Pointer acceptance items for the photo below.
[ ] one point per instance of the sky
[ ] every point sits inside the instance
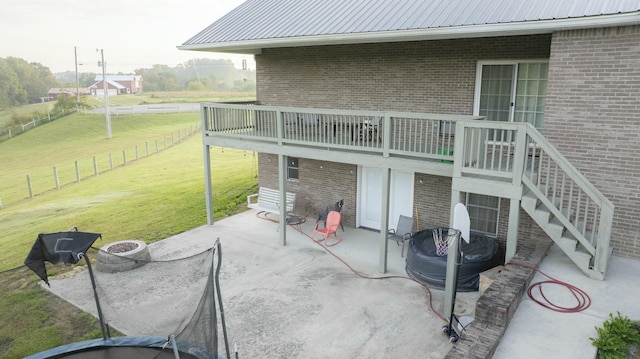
(132, 34)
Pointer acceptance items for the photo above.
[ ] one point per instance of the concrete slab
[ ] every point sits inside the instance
(537, 332)
(299, 301)
(294, 301)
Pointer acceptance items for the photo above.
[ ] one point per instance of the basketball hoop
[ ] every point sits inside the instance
(443, 237)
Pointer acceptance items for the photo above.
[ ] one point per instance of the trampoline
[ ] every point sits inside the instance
(196, 337)
(120, 347)
(425, 266)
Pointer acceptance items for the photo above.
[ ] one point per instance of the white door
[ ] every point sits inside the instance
(370, 197)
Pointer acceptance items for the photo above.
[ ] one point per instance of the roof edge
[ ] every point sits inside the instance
(441, 33)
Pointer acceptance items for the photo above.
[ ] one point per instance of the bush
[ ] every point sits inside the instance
(614, 336)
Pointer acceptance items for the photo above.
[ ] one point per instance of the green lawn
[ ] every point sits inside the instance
(80, 138)
(149, 199)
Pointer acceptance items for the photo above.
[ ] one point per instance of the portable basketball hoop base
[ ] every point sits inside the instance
(451, 287)
(461, 223)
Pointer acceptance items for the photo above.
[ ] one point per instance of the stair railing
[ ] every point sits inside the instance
(581, 208)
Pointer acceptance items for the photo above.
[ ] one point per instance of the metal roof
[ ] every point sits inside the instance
(258, 24)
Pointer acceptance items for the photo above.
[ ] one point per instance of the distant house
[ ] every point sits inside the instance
(53, 93)
(117, 85)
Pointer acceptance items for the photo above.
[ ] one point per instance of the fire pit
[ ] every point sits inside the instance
(426, 266)
(122, 256)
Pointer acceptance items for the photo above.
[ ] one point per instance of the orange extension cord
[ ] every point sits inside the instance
(262, 215)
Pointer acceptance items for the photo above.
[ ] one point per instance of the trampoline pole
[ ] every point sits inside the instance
(219, 295)
(172, 338)
(103, 325)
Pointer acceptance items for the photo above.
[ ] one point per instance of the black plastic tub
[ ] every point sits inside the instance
(425, 266)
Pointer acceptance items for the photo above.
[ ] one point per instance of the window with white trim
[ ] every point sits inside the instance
(512, 91)
(292, 169)
(483, 213)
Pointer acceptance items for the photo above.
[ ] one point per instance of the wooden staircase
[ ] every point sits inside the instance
(524, 166)
(558, 225)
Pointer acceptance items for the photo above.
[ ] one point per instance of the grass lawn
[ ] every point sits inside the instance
(149, 199)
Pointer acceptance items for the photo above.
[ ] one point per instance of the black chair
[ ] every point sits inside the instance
(322, 215)
(403, 232)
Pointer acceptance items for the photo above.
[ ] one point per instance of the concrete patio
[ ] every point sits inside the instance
(300, 301)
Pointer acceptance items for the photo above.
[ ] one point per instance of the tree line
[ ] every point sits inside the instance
(23, 82)
(193, 75)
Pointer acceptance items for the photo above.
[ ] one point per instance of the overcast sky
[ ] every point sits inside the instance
(133, 33)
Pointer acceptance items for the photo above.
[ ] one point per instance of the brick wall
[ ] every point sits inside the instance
(422, 76)
(316, 188)
(593, 118)
(425, 76)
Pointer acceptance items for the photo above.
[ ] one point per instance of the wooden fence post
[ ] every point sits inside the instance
(110, 162)
(124, 157)
(95, 166)
(146, 144)
(29, 186)
(55, 177)
(165, 142)
(137, 155)
(171, 139)
(156, 146)
(77, 172)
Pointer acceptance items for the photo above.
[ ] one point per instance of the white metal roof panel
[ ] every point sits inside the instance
(257, 20)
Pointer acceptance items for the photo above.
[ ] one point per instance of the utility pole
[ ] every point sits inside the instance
(106, 94)
(75, 53)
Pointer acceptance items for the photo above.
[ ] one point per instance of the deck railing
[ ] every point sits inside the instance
(583, 210)
(513, 154)
(430, 136)
(518, 153)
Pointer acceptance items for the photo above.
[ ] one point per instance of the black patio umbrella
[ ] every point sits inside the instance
(67, 247)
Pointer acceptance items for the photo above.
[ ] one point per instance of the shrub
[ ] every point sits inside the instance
(614, 336)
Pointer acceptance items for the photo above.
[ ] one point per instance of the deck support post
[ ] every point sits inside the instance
(384, 220)
(512, 229)
(282, 175)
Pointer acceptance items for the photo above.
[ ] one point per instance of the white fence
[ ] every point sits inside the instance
(62, 178)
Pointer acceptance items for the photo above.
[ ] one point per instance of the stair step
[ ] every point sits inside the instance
(529, 200)
(555, 229)
(582, 259)
(567, 244)
(560, 234)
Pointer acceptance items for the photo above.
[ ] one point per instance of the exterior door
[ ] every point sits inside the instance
(512, 91)
(370, 197)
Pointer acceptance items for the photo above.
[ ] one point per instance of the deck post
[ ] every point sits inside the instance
(207, 183)
(512, 229)
(206, 155)
(282, 175)
(384, 220)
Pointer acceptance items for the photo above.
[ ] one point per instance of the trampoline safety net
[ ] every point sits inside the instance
(158, 297)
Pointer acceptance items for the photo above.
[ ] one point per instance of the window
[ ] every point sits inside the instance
(292, 168)
(512, 91)
(483, 213)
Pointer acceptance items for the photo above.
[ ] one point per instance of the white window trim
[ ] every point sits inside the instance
(514, 85)
(298, 168)
(478, 84)
(494, 235)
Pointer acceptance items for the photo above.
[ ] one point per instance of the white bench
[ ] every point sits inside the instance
(268, 200)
